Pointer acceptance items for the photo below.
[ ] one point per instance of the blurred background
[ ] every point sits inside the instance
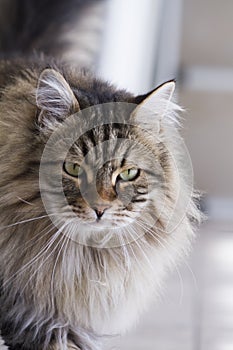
(140, 44)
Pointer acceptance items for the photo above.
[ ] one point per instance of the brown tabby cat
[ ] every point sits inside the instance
(95, 201)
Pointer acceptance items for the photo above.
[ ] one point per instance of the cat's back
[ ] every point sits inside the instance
(11, 70)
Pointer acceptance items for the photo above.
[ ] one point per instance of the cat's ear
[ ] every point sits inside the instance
(155, 106)
(54, 96)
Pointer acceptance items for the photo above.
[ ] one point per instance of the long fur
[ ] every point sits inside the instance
(56, 293)
(67, 29)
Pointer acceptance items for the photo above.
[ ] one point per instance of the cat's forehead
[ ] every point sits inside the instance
(110, 147)
(106, 138)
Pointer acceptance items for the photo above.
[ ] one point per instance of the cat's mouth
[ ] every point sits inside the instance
(105, 216)
(98, 220)
(103, 223)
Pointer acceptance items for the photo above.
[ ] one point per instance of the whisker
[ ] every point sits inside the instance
(141, 248)
(124, 249)
(34, 238)
(27, 220)
(171, 259)
(24, 201)
(43, 262)
(32, 261)
(64, 243)
(177, 252)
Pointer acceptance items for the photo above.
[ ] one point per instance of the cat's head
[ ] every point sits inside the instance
(112, 169)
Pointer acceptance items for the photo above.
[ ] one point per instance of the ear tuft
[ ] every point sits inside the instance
(54, 96)
(156, 106)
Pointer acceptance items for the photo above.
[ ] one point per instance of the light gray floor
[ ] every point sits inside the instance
(196, 310)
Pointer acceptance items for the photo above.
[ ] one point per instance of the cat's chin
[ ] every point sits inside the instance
(99, 233)
(100, 224)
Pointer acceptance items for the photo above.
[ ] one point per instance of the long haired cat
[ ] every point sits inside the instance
(96, 198)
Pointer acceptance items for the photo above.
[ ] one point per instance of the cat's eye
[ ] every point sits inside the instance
(129, 174)
(73, 169)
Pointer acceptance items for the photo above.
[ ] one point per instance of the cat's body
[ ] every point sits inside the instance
(61, 293)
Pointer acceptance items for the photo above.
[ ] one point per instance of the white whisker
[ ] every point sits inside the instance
(151, 233)
(140, 247)
(172, 247)
(24, 201)
(127, 261)
(27, 220)
(64, 244)
(34, 239)
(49, 255)
(32, 261)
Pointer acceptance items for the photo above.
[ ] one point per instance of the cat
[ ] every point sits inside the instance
(96, 197)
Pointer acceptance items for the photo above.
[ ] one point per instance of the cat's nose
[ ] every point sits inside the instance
(100, 211)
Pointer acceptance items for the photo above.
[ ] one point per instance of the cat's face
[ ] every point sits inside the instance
(112, 165)
(114, 169)
(109, 186)
(109, 176)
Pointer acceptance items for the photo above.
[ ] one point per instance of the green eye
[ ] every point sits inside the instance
(73, 169)
(129, 174)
